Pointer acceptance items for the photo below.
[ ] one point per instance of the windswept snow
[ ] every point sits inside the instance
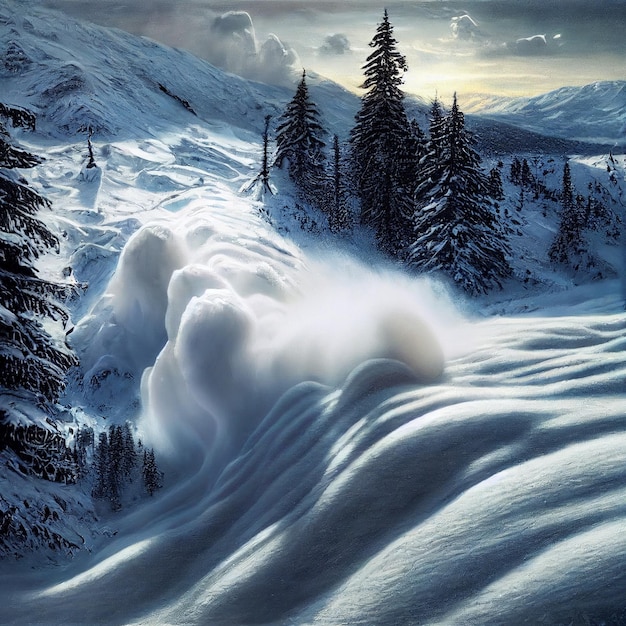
(343, 443)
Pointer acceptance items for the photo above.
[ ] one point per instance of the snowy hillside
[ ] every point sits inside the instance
(343, 443)
(595, 112)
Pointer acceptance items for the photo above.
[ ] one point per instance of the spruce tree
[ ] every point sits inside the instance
(384, 173)
(568, 247)
(101, 467)
(456, 227)
(300, 146)
(129, 452)
(339, 214)
(496, 190)
(152, 478)
(31, 360)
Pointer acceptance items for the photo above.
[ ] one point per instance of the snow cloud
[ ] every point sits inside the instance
(233, 46)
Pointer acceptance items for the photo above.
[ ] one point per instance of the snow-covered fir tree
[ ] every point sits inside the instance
(384, 172)
(457, 231)
(32, 361)
(300, 145)
(568, 247)
(339, 218)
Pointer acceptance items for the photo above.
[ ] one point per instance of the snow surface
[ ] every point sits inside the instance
(343, 443)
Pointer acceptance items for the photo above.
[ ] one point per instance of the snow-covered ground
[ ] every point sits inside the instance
(343, 443)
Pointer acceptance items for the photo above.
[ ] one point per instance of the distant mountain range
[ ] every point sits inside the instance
(592, 113)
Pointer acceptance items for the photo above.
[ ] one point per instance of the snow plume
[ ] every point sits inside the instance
(247, 319)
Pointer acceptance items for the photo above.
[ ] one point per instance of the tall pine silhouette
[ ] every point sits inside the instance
(568, 247)
(300, 145)
(383, 171)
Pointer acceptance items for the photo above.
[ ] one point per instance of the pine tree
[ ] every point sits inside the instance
(496, 190)
(456, 227)
(152, 478)
(568, 247)
(101, 467)
(384, 170)
(527, 179)
(129, 452)
(115, 476)
(515, 175)
(339, 215)
(31, 361)
(299, 144)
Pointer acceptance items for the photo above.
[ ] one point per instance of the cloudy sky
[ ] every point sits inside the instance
(512, 47)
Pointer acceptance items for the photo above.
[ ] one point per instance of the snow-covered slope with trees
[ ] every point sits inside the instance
(343, 442)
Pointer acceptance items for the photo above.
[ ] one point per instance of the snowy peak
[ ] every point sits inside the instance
(594, 112)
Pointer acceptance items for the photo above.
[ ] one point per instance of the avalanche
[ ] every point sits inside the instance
(343, 443)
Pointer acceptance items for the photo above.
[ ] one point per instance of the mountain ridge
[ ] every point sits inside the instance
(595, 112)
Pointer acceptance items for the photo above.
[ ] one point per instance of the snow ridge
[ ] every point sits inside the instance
(594, 112)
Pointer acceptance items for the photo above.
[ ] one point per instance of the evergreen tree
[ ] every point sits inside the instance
(31, 361)
(527, 179)
(384, 169)
(436, 144)
(339, 215)
(129, 452)
(299, 144)
(568, 247)
(114, 470)
(515, 175)
(496, 190)
(152, 478)
(457, 229)
(101, 467)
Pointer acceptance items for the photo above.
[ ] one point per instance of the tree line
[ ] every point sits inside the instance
(425, 195)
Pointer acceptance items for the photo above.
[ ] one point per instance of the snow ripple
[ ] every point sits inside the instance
(478, 499)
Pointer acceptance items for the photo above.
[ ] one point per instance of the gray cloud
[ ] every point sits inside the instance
(529, 46)
(335, 44)
(465, 28)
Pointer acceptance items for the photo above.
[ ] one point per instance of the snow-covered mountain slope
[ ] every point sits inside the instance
(593, 113)
(76, 76)
(321, 468)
